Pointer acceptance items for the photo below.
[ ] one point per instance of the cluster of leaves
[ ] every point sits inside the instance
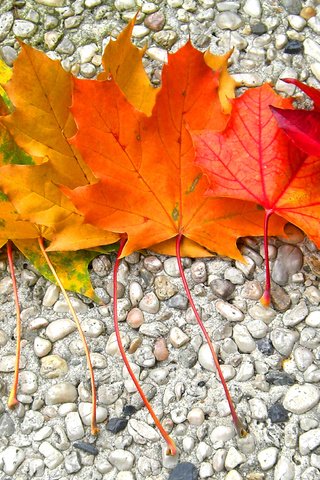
(183, 169)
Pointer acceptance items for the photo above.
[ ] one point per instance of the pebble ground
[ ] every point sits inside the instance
(270, 358)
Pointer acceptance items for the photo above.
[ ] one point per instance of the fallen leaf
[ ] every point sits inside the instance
(123, 61)
(302, 126)
(149, 186)
(227, 84)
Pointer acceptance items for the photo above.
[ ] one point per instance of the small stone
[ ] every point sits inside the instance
(53, 366)
(74, 426)
(177, 337)
(222, 434)
(279, 297)
(205, 357)
(301, 398)
(51, 295)
(259, 312)
(265, 346)
(228, 311)
(7, 363)
(284, 469)
(277, 413)
(122, 5)
(196, 416)
(72, 463)
(228, 21)
(153, 264)
(53, 458)
(61, 393)
(198, 272)
(7, 427)
(166, 39)
(149, 303)
(88, 70)
(312, 293)
(8, 54)
(297, 22)
(253, 8)
(116, 425)
(72, 22)
(86, 447)
(303, 358)
(252, 290)
(308, 12)
(155, 21)
(258, 409)
(267, 458)
(309, 337)
(154, 329)
(171, 267)
(259, 28)
(101, 265)
(6, 22)
(135, 318)
(142, 432)
(294, 316)
(52, 3)
(23, 28)
(233, 475)
(164, 288)
(293, 47)
(12, 457)
(234, 276)
(313, 319)
(85, 410)
(279, 378)
(121, 459)
(66, 47)
(289, 260)
(60, 328)
(219, 459)
(184, 471)
(243, 339)
(257, 328)
(292, 6)
(312, 49)
(178, 301)
(28, 382)
(222, 288)
(233, 459)
(160, 350)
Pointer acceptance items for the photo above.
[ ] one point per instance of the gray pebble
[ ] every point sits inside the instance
(303, 358)
(165, 38)
(279, 297)
(7, 363)
(164, 288)
(24, 29)
(198, 272)
(149, 303)
(171, 267)
(142, 432)
(309, 337)
(259, 312)
(61, 306)
(292, 6)
(154, 329)
(228, 21)
(309, 441)
(66, 47)
(284, 469)
(51, 296)
(222, 288)
(257, 328)
(7, 426)
(283, 340)
(295, 315)
(72, 462)
(178, 301)
(6, 22)
(234, 276)
(289, 260)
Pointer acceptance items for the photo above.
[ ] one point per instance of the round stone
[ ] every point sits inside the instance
(149, 303)
(23, 28)
(160, 350)
(205, 357)
(60, 328)
(196, 416)
(228, 21)
(51, 296)
(53, 366)
(61, 393)
(253, 8)
(135, 318)
(85, 411)
(301, 398)
(155, 21)
(171, 267)
(28, 383)
(267, 458)
(135, 293)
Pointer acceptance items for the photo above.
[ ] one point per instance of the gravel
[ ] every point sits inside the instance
(270, 357)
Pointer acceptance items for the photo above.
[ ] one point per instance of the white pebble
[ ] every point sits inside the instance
(51, 296)
(85, 410)
(267, 458)
(253, 8)
(61, 393)
(233, 458)
(206, 470)
(135, 293)
(74, 426)
(228, 311)
(11, 457)
(258, 409)
(233, 475)
(150, 303)
(219, 459)
(53, 458)
(223, 433)
(60, 328)
(196, 416)
(309, 441)
(284, 470)
(112, 344)
(301, 398)
(205, 357)
(41, 346)
(243, 339)
(177, 337)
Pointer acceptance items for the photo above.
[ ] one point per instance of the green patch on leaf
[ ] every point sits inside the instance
(175, 213)
(10, 153)
(3, 197)
(71, 267)
(194, 184)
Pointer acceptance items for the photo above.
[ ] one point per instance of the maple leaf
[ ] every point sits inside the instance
(123, 61)
(302, 126)
(226, 83)
(149, 186)
(253, 159)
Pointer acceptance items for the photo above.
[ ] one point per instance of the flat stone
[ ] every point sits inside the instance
(301, 398)
(149, 303)
(258, 409)
(72, 462)
(12, 457)
(253, 8)
(233, 458)
(205, 357)
(265, 346)
(52, 3)
(116, 425)
(87, 447)
(7, 427)
(257, 328)
(166, 39)
(142, 432)
(243, 339)
(295, 315)
(24, 29)
(66, 47)
(122, 5)
(59, 329)
(92, 327)
(112, 347)
(61, 393)
(222, 288)
(171, 267)
(284, 469)
(234, 276)
(154, 329)
(6, 22)
(228, 311)
(312, 49)
(228, 21)
(303, 358)
(184, 471)
(279, 297)
(7, 363)
(259, 312)
(8, 54)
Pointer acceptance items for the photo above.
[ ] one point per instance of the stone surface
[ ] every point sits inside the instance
(184, 471)
(301, 398)
(61, 393)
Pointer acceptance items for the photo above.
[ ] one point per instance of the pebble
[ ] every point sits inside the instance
(43, 433)
(59, 329)
(196, 416)
(259, 312)
(85, 410)
(275, 377)
(233, 458)
(228, 311)
(74, 426)
(184, 471)
(6, 22)
(52, 457)
(253, 8)
(303, 358)
(61, 393)
(92, 327)
(112, 347)
(142, 432)
(289, 261)
(155, 21)
(7, 426)
(265, 346)
(7, 363)
(178, 338)
(301, 398)
(86, 447)
(284, 469)
(294, 47)
(178, 301)
(252, 290)
(198, 272)
(160, 351)
(283, 340)
(12, 457)
(53, 366)
(233, 475)
(149, 303)
(121, 459)
(222, 288)
(234, 275)
(313, 319)
(72, 463)
(267, 458)
(154, 329)
(205, 357)
(246, 371)
(51, 296)
(257, 328)
(116, 425)
(243, 339)
(23, 28)
(228, 21)
(221, 434)
(258, 409)
(312, 49)
(295, 315)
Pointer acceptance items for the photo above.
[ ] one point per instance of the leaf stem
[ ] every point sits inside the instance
(266, 297)
(12, 400)
(237, 422)
(172, 449)
(94, 428)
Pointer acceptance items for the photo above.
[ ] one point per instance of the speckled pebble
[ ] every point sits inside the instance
(243, 339)
(228, 311)
(60, 328)
(301, 398)
(149, 303)
(178, 338)
(228, 20)
(283, 340)
(267, 458)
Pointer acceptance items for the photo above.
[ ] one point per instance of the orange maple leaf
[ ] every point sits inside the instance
(149, 186)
